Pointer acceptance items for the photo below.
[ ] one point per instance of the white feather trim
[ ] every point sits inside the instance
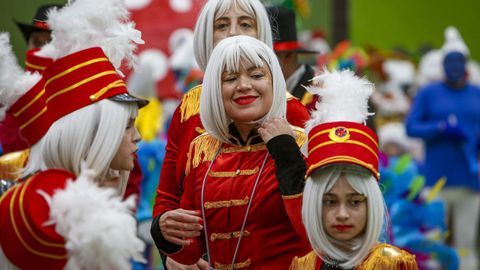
(343, 97)
(14, 82)
(82, 24)
(99, 228)
(454, 42)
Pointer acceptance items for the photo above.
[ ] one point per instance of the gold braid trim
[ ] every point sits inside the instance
(300, 136)
(227, 236)
(233, 174)
(11, 164)
(199, 130)
(247, 148)
(307, 98)
(294, 196)
(307, 262)
(224, 204)
(202, 148)
(190, 104)
(239, 265)
(388, 257)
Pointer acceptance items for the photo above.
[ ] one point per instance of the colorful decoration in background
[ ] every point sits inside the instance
(424, 231)
(159, 21)
(150, 158)
(345, 56)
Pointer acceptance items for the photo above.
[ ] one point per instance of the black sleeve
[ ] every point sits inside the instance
(289, 164)
(162, 244)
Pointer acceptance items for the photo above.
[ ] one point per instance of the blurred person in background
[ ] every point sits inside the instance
(446, 116)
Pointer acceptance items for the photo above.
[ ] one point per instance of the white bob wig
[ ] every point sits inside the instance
(213, 9)
(91, 136)
(327, 248)
(228, 56)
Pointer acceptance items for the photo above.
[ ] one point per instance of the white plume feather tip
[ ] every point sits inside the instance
(454, 42)
(343, 97)
(14, 82)
(82, 24)
(99, 228)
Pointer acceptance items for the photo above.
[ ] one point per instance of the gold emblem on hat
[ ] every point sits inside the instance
(339, 134)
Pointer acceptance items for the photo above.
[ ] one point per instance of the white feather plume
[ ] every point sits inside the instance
(99, 228)
(343, 97)
(14, 82)
(454, 42)
(82, 24)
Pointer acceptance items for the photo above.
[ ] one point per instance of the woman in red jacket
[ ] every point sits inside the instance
(218, 19)
(245, 174)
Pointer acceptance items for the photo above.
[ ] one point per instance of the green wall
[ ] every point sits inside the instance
(409, 23)
(22, 11)
(383, 24)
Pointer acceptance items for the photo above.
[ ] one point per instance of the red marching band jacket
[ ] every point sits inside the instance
(273, 234)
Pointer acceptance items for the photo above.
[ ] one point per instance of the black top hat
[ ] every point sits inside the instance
(284, 30)
(38, 22)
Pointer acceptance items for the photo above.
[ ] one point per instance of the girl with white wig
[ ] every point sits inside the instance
(245, 174)
(343, 208)
(218, 20)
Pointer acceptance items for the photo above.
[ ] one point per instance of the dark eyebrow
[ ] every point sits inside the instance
(253, 68)
(348, 195)
(240, 18)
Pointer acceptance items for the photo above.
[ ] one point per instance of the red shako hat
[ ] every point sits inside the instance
(336, 133)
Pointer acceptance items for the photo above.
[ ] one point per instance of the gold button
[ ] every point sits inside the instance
(249, 148)
(93, 98)
(237, 172)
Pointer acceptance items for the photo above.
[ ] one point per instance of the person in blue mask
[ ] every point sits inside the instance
(446, 116)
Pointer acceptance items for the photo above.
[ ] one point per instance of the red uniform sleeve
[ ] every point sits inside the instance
(192, 253)
(168, 193)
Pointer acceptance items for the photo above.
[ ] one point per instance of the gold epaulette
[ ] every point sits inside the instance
(190, 104)
(300, 136)
(202, 149)
(307, 98)
(388, 257)
(307, 262)
(11, 164)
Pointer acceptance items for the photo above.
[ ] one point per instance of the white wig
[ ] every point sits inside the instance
(325, 246)
(228, 56)
(203, 34)
(90, 135)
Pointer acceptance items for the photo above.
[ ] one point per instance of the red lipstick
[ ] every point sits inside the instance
(343, 227)
(244, 100)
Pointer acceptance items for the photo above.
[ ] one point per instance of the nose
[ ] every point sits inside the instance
(136, 136)
(342, 212)
(244, 84)
(233, 30)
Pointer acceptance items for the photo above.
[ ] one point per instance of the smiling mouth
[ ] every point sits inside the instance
(245, 100)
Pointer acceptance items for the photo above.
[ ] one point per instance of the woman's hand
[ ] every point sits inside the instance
(173, 265)
(178, 225)
(273, 128)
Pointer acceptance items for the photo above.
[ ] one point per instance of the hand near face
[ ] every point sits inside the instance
(273, 128)
(178, 225)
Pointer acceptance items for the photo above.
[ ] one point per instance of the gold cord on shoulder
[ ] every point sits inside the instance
(190, 104)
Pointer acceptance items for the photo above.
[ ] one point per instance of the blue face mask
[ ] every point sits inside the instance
(454, 65)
